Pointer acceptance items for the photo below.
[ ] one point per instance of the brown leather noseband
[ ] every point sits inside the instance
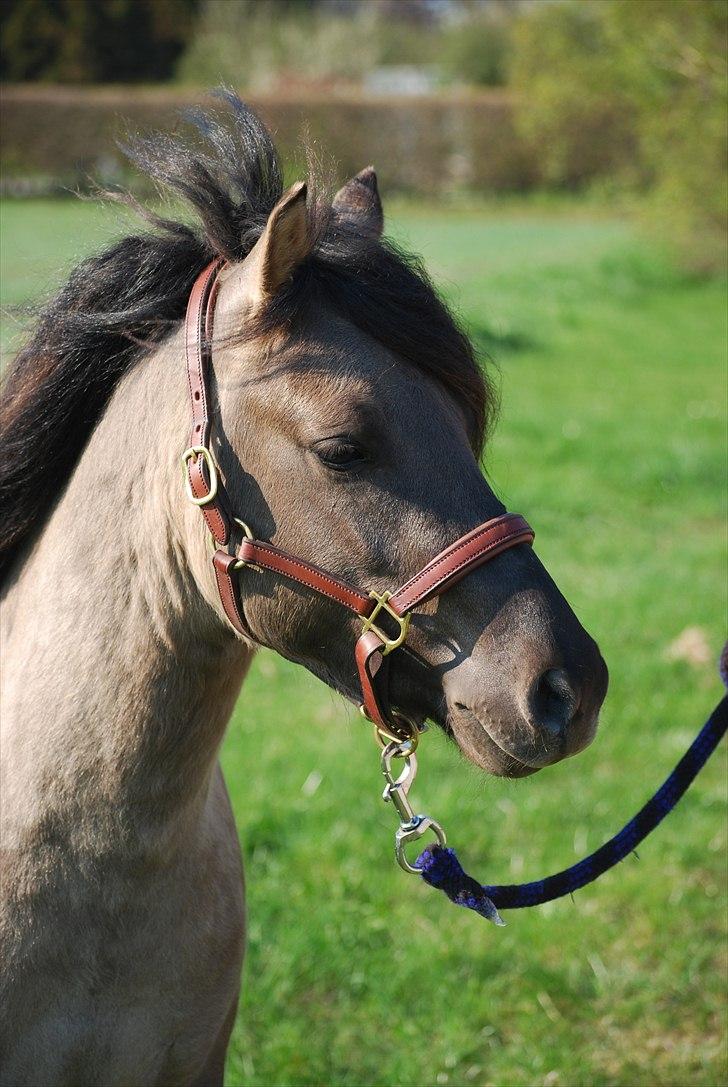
(206, 489)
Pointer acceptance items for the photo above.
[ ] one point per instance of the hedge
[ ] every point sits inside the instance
(435, 146)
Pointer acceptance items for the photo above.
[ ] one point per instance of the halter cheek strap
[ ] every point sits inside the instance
(207, 491)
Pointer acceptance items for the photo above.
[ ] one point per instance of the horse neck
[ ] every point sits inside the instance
(124, 675)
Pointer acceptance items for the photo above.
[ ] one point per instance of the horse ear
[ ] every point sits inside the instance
(283, 245)
(358, 203)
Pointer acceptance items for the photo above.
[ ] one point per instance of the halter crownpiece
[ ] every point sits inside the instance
(206, 489)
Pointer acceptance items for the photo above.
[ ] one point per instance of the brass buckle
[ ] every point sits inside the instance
(369, 624)
(193, 453)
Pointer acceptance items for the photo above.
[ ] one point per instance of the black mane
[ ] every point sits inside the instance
(118, 304)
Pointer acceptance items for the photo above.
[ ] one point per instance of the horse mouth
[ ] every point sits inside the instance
(478, 744)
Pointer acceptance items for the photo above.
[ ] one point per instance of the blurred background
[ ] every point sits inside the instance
(561, 167)
(450, 97)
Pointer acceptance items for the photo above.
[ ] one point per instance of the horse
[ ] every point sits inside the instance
(348, 415)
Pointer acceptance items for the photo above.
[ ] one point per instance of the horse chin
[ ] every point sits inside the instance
(480, 748)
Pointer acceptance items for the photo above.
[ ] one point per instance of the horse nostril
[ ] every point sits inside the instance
(552, 702)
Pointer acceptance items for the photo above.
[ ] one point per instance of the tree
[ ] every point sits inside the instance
(91, 41)
(638, 91)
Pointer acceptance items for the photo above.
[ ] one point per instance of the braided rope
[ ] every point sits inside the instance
(441, 868)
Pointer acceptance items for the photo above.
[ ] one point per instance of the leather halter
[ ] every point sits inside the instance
(206, 489)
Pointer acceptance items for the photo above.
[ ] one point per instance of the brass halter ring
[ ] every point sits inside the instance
(407, 740)
(248, 532)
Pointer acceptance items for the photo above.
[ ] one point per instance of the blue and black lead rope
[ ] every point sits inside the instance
(441, 868)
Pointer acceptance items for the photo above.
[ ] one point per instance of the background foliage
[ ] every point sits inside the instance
(93, 41)
(628, 98)
(446, 147)
(634, 93)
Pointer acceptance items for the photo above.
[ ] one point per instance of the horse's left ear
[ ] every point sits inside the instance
(358, 203)
(284, 244)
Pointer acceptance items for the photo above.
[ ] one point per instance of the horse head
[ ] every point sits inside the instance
(349, 415)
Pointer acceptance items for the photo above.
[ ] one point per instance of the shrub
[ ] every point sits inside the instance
(635, 91)
(571, 109)
(475, 50)
(261, 44)
(674, 61)
(84, 41)
(431, 146)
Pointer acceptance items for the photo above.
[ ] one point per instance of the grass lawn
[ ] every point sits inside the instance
(612, 442)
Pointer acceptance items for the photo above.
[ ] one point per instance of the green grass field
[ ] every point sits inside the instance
(612, 442)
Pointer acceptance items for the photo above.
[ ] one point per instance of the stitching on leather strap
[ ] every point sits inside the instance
(368, 651)
(216, 521)
(497, 546)
(453, 549)
(195, 359)
(221, 563)
(510, 536)
(198, 325)
(256, 547)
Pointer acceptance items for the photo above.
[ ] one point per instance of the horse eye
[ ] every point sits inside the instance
(341, 454)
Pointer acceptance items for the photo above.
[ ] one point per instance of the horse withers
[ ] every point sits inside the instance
(348, 417)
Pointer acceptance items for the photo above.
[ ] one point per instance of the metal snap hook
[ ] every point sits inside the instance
(412, 827)
(407, 834)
